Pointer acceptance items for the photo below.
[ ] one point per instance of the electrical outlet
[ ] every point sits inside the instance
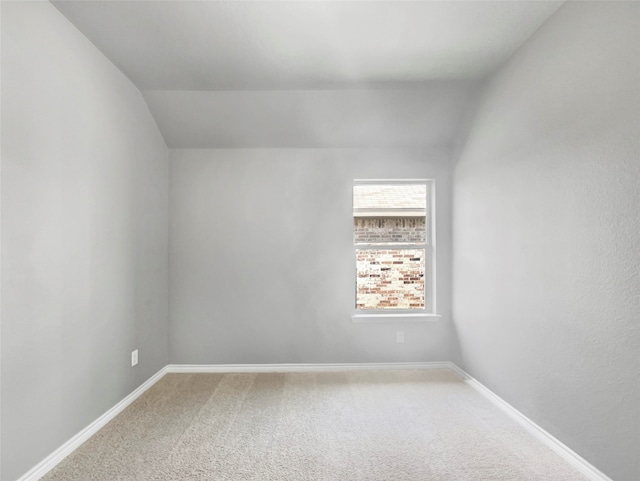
(400, 337)
(134, 358)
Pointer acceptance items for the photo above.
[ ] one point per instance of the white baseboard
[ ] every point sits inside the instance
(574, 459)
(222, 368)
(571, 457)
(51, 461)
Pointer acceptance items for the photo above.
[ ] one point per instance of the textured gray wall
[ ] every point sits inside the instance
(262, 263)
(546, 203)
(84, 243)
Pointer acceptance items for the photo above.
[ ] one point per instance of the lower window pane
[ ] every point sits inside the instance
(390, 278)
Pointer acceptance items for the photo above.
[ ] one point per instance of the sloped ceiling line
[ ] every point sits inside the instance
(307, 74)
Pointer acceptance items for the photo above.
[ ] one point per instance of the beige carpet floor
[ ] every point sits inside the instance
(333, 426)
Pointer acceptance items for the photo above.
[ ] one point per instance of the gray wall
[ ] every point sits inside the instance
(84, 235)
(546, 203)
(262, 264)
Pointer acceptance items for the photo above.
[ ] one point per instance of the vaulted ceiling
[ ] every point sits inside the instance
(307, 73)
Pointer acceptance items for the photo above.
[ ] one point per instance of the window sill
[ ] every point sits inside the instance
(395, 317)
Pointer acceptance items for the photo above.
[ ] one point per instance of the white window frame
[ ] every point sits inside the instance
(429, 312)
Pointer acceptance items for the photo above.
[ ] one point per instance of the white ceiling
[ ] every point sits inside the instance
(303, 73)
(311, 118)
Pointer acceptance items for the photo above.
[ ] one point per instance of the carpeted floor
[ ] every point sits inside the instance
(333, 426)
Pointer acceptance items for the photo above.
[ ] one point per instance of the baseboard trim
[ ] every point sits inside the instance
(574, 459)
(51, 461)
(570, 456)
(228, 368)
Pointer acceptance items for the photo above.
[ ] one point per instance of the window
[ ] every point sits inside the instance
(394, 248)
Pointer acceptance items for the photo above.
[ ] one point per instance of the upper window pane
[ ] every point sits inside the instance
(389, 214)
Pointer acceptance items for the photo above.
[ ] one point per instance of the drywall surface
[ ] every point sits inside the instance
(262, 262)
(412, 115)
(84, 235)
(280, 46)
(546, 233)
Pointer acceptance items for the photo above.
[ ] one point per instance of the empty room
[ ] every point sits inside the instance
(320, 240)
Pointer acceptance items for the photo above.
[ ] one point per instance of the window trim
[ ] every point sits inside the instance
(429, 312)
(392, 317)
